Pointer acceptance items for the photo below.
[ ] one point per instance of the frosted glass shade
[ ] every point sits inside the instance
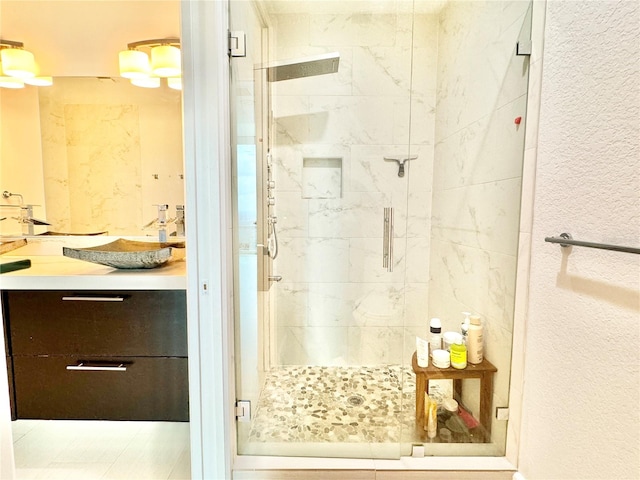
(134, 64)
(149, 82)
(175, 83)
(165, 61)
(18, 63)
(11, 82)
(39, 81)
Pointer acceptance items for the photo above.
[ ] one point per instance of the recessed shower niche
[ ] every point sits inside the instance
(437, 82)
(321, 177)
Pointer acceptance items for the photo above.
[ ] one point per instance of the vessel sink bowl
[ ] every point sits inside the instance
(128, 254)
(69, 234)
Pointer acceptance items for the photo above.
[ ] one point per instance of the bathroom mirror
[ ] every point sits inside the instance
(111, 152)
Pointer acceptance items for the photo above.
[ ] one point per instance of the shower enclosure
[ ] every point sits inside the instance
(377, 173)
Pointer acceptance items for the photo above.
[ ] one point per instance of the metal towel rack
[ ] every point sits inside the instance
(566, 240)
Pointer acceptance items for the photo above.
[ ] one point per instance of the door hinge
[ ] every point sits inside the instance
(243, 410)
(237, 44)
(523, 47)
(502, 413)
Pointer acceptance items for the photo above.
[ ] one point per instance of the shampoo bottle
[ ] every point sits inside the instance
(475, 351)
(435, 335)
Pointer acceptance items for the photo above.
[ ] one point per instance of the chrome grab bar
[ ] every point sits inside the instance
(387, 240)
(82, 367)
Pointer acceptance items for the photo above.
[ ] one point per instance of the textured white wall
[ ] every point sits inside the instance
(581, 388)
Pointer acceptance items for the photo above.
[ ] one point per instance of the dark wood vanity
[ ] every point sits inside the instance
(97, 355)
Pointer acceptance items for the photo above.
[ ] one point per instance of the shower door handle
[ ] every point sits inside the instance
(387, 240)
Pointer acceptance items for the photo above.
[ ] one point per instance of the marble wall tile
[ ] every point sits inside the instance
(356, 30)
(291, 304)
(313, 259)
(365, 261)
(483, 216)
(103, 141)
(357, 214)
(322, 177)
(377, 304)
(469, 279)
(419, 215)
(375, 345)
(351, 120)
(366, 108)
(292, 118)
(417, 258)
(382, 70)
(327, 346)
(293, 213)
(416, 311)
(371, 173)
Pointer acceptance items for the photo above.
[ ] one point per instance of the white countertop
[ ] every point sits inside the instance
(50, 270)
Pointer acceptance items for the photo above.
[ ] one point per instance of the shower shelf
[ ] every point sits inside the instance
(483, 371)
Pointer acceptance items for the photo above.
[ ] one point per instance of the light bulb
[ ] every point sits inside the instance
(134, 64)
(39, 81)
(11, 82)
(18, 63)
(149, 82)
(175, 83)
(165, 61)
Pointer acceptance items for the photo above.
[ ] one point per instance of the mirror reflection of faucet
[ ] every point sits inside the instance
(161, 222)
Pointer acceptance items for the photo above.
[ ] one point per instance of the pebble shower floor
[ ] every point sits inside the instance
(336, 404)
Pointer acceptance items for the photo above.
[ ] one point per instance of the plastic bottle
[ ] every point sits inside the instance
(464, 327)
(475, 351)
(459, 355)
(435, 335)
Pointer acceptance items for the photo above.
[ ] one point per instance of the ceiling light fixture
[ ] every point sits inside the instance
(165, 62)
(18, 66)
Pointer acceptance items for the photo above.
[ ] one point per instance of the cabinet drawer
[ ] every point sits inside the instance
(154, 389)
(109, 323)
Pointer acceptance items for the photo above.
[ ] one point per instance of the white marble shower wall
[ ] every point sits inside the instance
(482, 90)
(336, 305)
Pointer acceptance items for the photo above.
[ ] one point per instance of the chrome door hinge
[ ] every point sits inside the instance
(237, 44)
(243, 410)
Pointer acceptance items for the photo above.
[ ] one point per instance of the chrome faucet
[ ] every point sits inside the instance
(27, 221)
(180, 230)
(160, 222)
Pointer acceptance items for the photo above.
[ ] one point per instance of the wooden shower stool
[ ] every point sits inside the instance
(484, 371)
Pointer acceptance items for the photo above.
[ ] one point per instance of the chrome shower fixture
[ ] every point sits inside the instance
(303, 67)
(401, 160)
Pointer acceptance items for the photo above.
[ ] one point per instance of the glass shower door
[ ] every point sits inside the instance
(370, 199)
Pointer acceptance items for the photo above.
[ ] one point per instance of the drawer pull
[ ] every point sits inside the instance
(93, 299)
(121, 367)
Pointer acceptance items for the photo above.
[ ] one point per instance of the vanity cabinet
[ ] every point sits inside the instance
(105, 355)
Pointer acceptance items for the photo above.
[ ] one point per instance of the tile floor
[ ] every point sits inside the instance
(87, 450)
(336, 404)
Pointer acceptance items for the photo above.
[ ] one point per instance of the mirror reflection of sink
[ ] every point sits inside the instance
(129, 254)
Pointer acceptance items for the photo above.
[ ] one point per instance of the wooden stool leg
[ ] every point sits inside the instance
(486, 401)
(420, 389)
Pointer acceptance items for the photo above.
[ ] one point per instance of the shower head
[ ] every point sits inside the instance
(303, 67)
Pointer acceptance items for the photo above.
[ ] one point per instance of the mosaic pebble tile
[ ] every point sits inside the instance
(336, 404)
